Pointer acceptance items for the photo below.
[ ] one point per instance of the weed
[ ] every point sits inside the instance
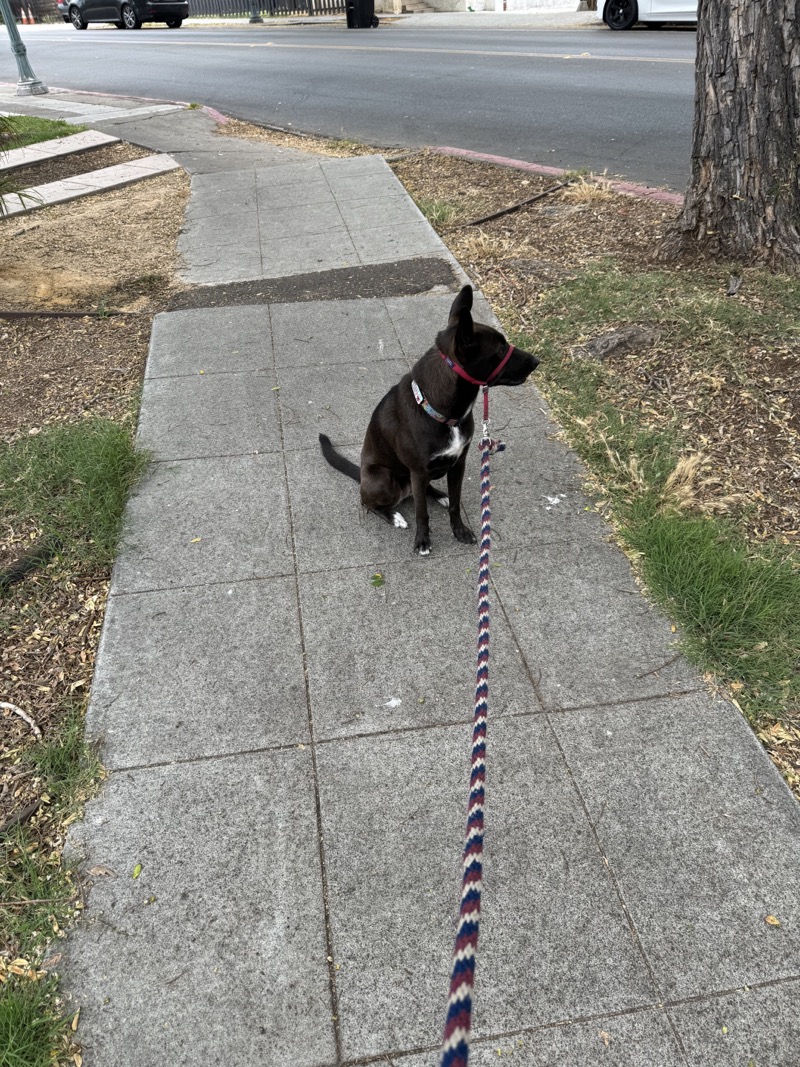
(439, 213)
(588, 189)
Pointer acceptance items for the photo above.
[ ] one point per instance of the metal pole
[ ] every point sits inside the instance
(255, 12)
(28, 84)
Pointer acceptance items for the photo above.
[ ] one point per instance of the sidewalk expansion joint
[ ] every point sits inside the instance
(649, 698)
(213, 757)
(329, 946)
(504, 1035)
(717, 994)
(222, 373)
(190, 586)
(634, 933)
(156, 461)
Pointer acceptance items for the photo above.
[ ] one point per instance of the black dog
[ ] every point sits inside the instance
(422, 428)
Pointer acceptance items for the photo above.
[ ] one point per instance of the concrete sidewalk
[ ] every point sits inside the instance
(288, 740)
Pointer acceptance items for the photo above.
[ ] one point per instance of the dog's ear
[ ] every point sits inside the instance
(463, 302)
(460, 322)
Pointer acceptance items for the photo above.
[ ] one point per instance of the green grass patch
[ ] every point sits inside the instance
(72, 483)
(736, 603)
(686, 308)
(30, 1027)
(739, 607)
(18, 131)
(40, 896)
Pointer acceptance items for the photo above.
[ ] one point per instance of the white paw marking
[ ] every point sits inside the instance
(424, 551)
(444, 501)
(399, 521)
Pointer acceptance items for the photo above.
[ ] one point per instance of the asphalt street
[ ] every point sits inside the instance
(576, 98)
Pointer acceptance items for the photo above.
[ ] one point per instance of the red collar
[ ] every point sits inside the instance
(468, 377)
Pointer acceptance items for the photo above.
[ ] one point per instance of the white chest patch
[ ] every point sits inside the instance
(455, 446)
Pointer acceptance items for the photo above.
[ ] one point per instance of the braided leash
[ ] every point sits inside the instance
(455, 1044)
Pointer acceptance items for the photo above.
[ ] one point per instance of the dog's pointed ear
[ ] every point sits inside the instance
(463, 302)
(460, 322)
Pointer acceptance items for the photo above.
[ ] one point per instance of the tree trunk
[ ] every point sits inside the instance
(743, 200)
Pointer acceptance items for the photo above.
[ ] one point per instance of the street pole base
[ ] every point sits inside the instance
(256, 18)
(31, 88)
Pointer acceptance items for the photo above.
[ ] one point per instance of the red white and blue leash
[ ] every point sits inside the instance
(455, 1044)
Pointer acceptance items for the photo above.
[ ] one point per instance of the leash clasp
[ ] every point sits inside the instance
(486, 440)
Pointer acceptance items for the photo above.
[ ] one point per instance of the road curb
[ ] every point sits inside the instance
(644, 192)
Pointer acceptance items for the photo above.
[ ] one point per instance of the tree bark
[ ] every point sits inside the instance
(743, 199)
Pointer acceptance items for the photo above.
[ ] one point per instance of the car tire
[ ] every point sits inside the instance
(119, 25)
(174, 24)
(621, 14)
(130, 19)
(77, 19)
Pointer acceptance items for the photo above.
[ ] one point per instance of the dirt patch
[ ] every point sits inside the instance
(537, 246)
(318, 145)
(56, 170)
(113, 250)
(117, 247)
(65, 370)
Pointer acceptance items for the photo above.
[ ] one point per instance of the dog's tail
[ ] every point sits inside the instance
(338, 461)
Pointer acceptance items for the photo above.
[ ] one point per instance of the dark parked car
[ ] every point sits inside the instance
(124, 14)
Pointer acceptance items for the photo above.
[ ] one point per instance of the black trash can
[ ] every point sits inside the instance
(361, 14)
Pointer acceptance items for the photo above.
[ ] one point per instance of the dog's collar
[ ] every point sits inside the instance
(426, 407)
(451, 363)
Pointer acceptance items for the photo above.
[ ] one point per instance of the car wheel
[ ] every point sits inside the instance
(174, 24)
(621, 14)
(77, 19)
(129, 17)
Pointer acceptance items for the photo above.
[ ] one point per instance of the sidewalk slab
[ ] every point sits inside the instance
(210, 340)
(402, 685)
(220, 941)
(209, 415)
(590, 636)
(198, 521)
(642, 1039)
(53, 149)
(213, 675)
(712, 850)
(264, 240)
(760, 1026)
(550, 908)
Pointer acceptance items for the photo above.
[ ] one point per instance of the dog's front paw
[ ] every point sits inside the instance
(463, 534)
(422, 546)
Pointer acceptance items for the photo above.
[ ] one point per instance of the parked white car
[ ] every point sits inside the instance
(622, 14)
